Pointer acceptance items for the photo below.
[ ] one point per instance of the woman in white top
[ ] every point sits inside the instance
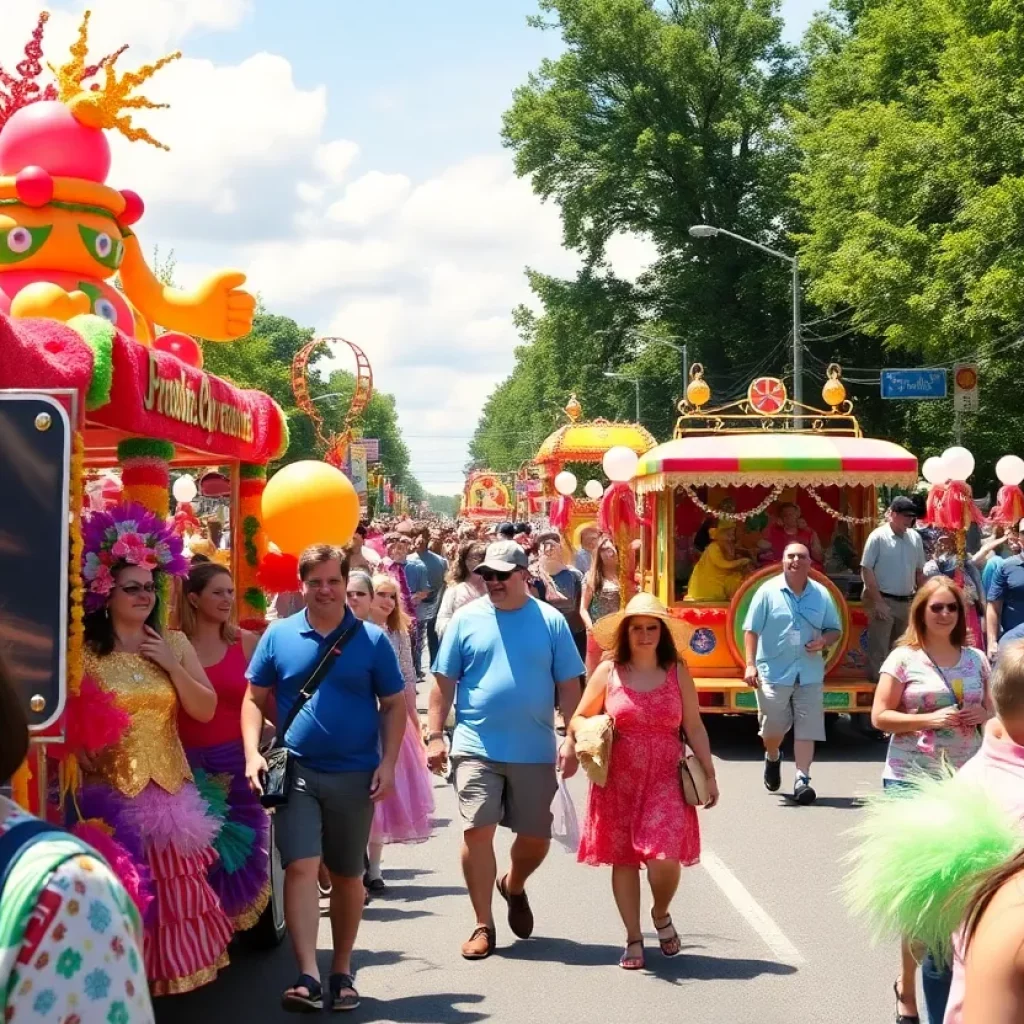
(463, 583)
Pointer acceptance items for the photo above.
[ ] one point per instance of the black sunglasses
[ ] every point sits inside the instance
(943, 606)
(490, 575)
(131, 589)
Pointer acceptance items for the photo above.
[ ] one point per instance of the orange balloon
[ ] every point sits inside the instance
(309, 503)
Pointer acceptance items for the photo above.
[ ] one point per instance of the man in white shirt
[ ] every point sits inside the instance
(892, 568)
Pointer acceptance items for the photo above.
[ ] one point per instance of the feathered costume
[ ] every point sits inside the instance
(139, 806)
(925, 849)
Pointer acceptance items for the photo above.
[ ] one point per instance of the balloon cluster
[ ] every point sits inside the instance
(950, 502)
(1009, 507)
(618, 505)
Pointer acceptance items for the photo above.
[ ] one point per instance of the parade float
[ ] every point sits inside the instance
(102, 398)
(581, 443)
(736, 483)
(487, 498)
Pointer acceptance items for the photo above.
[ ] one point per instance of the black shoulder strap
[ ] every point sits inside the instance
(333, 645)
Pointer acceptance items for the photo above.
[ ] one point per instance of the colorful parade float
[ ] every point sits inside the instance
(487, 498)
(730, 490)
(581, 444)
(102, 398)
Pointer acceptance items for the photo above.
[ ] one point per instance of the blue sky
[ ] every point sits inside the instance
(346, 155)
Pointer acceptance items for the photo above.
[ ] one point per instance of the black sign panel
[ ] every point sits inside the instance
(35, 460)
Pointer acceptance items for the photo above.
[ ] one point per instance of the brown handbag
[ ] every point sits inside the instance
(692, 776)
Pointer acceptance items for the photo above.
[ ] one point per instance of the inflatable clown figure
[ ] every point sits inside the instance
(64, 232)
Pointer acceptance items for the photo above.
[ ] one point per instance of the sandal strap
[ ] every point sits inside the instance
(481, 929)
(311, 984)
(339, 981)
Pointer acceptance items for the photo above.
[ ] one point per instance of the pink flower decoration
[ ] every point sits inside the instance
(104, 581)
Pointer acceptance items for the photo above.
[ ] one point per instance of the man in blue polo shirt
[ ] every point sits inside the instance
(339, 770)
(1005, 596)
(790, 622)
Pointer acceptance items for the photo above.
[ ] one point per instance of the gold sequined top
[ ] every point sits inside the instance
(150, 751)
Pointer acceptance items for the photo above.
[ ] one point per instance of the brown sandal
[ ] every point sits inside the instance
(670, 945)
(632, 963)
(480, 944)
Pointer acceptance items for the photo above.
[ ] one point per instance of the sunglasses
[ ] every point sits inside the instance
(490, 575)
(356, 593)
(944, 606)
(132, 589)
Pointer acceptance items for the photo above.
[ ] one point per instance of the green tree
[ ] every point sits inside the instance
(444, 504)
(912, 185)
(658, 116)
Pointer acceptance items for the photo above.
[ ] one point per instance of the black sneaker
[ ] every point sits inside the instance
(772, 774)
(803, 791)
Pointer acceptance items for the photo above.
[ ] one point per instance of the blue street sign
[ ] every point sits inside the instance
(913, 383)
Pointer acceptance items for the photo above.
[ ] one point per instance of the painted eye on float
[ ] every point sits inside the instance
(102, 247)
(20, 242)
(105, 308)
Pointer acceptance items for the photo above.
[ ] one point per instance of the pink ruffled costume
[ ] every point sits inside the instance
(404, 816)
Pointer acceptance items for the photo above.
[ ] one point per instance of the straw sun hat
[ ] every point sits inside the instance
(606, 630)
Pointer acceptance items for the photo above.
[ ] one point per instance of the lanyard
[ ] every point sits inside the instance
(958, 701)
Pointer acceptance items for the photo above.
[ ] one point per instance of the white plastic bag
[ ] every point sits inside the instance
(565, 828)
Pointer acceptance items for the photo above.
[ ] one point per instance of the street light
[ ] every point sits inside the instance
(636, 383)
(710, 231)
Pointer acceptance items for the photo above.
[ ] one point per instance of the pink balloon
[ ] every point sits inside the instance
(47, 135)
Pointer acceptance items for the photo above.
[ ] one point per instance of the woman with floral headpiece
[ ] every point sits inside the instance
(137, 786)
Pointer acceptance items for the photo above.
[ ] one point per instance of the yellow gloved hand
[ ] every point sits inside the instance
(45, 299)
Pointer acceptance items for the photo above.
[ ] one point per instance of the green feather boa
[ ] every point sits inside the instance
(921, 853)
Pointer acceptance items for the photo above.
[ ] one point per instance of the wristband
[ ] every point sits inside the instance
(434, 736)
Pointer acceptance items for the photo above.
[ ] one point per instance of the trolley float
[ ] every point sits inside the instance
(736, 463)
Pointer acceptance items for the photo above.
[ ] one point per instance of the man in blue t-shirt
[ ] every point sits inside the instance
(436, 569)
(1005, 597)
(502, 661)
(338, 769)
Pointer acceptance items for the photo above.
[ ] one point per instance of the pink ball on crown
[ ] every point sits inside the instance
(47, 135)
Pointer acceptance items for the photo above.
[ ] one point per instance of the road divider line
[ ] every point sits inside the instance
(751, 911)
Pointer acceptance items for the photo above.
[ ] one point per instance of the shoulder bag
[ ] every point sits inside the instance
(277, 780)
(692, 776)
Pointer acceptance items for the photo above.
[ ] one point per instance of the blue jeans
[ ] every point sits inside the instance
(935, 982)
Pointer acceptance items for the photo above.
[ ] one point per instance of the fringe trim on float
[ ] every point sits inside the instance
(769, 478)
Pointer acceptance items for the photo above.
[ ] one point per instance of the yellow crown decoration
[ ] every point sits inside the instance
(104, 106)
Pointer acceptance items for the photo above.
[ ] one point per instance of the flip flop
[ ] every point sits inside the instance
(340, 1003)
(296, 1002)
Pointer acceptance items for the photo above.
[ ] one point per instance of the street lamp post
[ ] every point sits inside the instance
(636, 383)
(710, 231)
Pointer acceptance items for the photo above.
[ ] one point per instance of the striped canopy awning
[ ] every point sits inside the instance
(791, 460)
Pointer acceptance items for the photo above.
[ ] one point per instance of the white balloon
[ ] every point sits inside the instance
(1010, 470)
(934, 470)
(565, 483)
(184, 489)
(959, 462)
(593, 489)
(620, 463)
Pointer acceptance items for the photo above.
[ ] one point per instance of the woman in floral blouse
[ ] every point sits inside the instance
(70, 937)
(932, 698)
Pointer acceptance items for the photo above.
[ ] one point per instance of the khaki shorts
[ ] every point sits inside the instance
(800, 708)
(517, 796)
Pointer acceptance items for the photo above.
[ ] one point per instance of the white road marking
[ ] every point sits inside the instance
(752, 911)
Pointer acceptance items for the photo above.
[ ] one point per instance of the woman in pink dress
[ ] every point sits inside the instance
(404, 815)
(639, 817)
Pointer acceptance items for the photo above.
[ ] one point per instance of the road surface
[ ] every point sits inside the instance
(765, 936)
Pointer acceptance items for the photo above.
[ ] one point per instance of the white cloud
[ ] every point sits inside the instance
(333, 159)
(369, 198)
(630, 255)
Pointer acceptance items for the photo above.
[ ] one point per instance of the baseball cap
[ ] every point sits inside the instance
(504, 556)
(904, 506)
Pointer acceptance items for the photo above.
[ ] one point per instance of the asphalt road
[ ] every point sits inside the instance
(765, 936)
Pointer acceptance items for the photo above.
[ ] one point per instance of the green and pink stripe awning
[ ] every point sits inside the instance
(786, 459)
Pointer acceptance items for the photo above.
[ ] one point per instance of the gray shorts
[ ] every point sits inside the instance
(800, 708)
(328, 814)
(517, 796)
